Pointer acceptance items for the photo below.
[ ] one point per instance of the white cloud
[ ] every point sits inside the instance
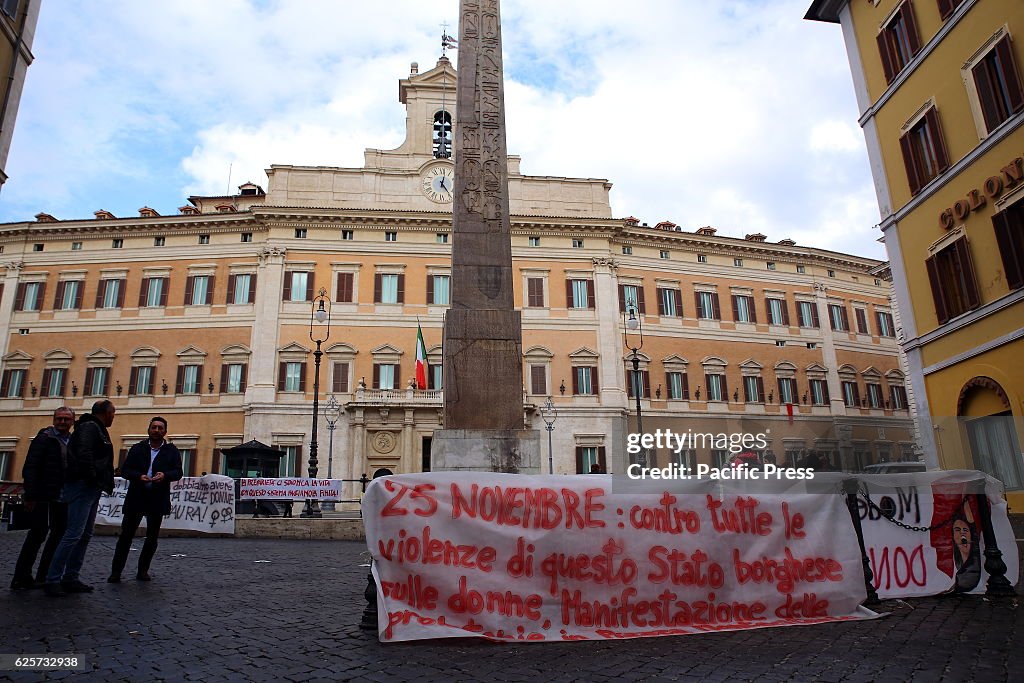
(737, 114)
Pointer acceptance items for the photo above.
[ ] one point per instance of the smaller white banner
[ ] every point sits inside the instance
(290, 489)
(205, 504)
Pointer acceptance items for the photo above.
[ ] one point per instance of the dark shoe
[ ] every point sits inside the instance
(76, 586)
(53, 590)
(114, 578)
(21, 584)
(143, 576)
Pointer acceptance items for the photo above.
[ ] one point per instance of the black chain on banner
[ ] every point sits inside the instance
(911, 527)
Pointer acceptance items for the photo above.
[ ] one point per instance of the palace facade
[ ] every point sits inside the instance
(204, 317)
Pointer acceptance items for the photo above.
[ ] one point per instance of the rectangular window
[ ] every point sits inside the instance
(538, 380)
(10, 8)
(590, 459)
(300, 233)
(534, 241)
(639, 379)
(294, 377)
(437, 290)
(190, 379)
(862, 320)
(153, 292)
(801, 269)
(69, 296)
(96, 381)
(778, 311)
(339, 378)
(204, 239)
(951, 276)
(707, 306)
(345, 291)
(702, 258)
(186, 461)
(535, 292)
(435, 377)
(390, 236)
(76, 246)
(738, 262)
(232, 378)
(52, 385)
(290, 461)
(1009, 229)
(117, 244)
(743, 309)
(13, 383)
(199, 290)
(787, 390)
(140, 383)
(110, 294)
(886, 327)
(242, 288)
(807, 311)
(875, 399)
(385, 376)
(898, 41)
(664, 254)
(29, 296)
(298, 286)
(851, 394)
(898, 396)
(627, 251)
(577, 244)
(348, 235)
(716, 387)
(819, 392)
(946, 7)
(631, 297)
(998, 84)
(584, 381)
(837, 317)
(580, 293)
(924, 152)
(159, 241)
(246, 237)
(442, 238)
(670, 302)
(389, 288)
(753, 390)
(678, 386)
(770, 265)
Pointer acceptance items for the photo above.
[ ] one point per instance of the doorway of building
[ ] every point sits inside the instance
(425, 464)
(995, 449)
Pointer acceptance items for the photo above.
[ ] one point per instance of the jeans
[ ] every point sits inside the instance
(46, 517)
(129, 525)
(83, 500)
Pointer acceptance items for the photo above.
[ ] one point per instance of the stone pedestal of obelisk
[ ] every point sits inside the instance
(483, 376)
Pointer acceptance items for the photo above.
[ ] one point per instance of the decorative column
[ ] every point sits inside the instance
(266, 326)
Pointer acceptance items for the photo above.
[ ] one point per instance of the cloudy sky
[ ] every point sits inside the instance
(734, 113)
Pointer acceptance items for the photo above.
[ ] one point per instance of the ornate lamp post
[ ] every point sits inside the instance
(549, 415)
(319, 313)
(633, 325)
(332, 413)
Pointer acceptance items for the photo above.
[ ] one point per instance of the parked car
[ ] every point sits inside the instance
(894, 468)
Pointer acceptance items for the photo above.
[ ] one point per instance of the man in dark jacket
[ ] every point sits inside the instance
(150, 467)
(43, 474)
(90, 472)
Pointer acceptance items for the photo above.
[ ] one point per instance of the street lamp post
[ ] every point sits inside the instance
(332, 413)
(319, 312)
(633, 325)
(549, 415)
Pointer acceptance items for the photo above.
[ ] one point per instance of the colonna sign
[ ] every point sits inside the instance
(1008, 177)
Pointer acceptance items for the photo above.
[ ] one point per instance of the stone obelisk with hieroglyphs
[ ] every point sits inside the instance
(483, 399)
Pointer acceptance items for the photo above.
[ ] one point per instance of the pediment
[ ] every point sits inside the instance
(538, 352)
(751, 364)
(713, 360)
(101, 354)
(675, 359)
(191, 351)
(57, 354)
(236, 350)
(816, 367)
(386, 350)
(871, 372)
(17, 356)
(583, 352)
(145, 352)
(293, 347)
(785, 365)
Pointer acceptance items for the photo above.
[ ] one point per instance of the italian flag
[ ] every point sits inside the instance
(421, 359)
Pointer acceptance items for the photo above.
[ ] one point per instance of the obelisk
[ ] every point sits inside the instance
(483, 379)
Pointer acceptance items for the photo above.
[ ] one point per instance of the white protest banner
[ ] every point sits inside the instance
(556, 558)
(945, 550)
(290, 489)
(205, 504)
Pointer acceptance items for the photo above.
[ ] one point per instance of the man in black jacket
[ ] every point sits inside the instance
(90, 472)
(43, 473)
(150, 467)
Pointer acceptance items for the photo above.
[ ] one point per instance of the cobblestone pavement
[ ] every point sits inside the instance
(272, 610)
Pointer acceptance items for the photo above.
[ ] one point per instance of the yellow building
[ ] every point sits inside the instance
(938, 84)
(204, 317)
(18, 27)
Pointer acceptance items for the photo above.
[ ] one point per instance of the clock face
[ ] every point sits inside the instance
(438, 184)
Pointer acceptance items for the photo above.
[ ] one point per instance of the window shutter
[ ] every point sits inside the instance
(86, 386)
(224, 378)
(376, 289)
(661, 303)
(725, 389)
(376, 376)
(645, 378)
(340, 379)
(986, 95)
(815, 320)
(398, 376)
(430, 289)
(862, 320)
(701, 313)
(310, 277)
(845, 317)
(251, 294)
(287, 294)
(591, 301)
(579, 460)
(401, 288)
(179, 381)
(910, 164)
(946, 7)
(1013, 89)
(686, 387)
(79, 292)
(1011, 251)
(122, 285)
(42, 296)
(19, 297)
(568, 294)
(44, 385)
(245, 375)
(302, 376)
(210, 284)
(601, 459)
(717, 311)
(143, 289)
(760, 390)
(190, 284)
(622, 298)
(932, 121)
(735, 309)
(963, 255)
(163, 290)
(297, 472)
(593, 381)
(282, 371)
(5, 383)
(133, 377)
(231, 289)
(538, 380)
(785, 312)
(199, 379)
(883, 51)
(747, 398)
(753, 309)
(856, 394)
(100, 291)
(639, 296)
(778, 381)
(707, 387)
(345, 287)
(679, 302)
(58, 295)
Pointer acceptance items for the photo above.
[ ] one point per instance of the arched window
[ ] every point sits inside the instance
(442, 135)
